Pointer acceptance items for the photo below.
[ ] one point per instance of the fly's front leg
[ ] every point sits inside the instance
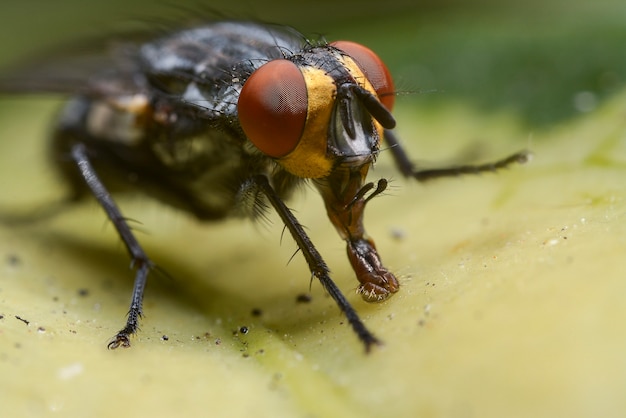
(316, 262)
(140, 260)
(407, 168)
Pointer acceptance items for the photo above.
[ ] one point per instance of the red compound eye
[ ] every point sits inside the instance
(272, 107)
(373, 68)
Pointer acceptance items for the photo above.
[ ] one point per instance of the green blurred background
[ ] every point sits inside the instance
(547, 60)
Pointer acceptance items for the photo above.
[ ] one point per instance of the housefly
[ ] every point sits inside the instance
(228, 118)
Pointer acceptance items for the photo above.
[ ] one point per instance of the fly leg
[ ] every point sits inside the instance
(407, 168)
(316, 262)
(140, 260)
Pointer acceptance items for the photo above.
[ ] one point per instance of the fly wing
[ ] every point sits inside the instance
(69, 67)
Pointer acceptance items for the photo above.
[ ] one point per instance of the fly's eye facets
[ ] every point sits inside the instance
(272, 107)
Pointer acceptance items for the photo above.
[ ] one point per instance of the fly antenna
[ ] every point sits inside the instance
(374, 107)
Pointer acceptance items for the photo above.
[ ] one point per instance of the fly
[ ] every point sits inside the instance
(219, 120)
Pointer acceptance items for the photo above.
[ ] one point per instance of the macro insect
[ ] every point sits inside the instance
(223, 119)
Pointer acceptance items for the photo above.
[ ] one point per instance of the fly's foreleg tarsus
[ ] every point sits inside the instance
(316, 263)
(407, 168)
(140, 261)
(122, 338)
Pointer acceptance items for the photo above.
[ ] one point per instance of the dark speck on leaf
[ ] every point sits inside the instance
(13, 260)
(22, 319)
(304, 298)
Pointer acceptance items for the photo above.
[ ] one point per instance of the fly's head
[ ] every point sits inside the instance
(321, 114)
(321, 108)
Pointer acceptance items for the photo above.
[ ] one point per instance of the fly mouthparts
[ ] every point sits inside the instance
(377, 283)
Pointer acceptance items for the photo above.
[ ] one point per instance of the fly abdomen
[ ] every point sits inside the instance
(121, 119)
(105, 126)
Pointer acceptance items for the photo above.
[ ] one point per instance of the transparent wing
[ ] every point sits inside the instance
(69, 67)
